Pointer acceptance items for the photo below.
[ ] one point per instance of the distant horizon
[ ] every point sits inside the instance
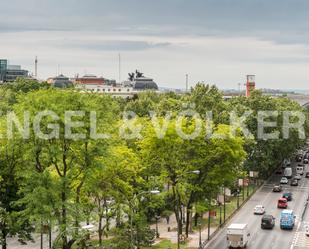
(219, 42)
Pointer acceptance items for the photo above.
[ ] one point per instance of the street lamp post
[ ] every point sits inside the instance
(200, 234)
(157, 229)
(132, 203)
(220, 207)
(224, 207)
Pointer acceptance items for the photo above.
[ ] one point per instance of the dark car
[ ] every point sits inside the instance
(294, 182)
(277, 188)
(299, 158)
(279, 171)
(307, 175)
(288, 196)
(267, 222)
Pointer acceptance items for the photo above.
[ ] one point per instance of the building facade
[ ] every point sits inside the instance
(10, 73)
(60, 81)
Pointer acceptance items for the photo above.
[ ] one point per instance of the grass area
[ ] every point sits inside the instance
(230, 207)
(164, 244)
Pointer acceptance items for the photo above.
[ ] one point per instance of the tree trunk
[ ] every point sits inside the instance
(188, 221)
(100, 230)
(196, 216)
(41, 236)
(50, 235)
(4, 234)
(63, 224)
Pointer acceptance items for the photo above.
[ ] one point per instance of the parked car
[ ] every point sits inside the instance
(294, 182)
(284, 180)
(282, 203)
(297, 177)
(288, 196)
(307, 175)
(277, 188)
(259, 209)
(306, 161)
(268, 221)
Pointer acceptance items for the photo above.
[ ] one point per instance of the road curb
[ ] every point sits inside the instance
(213, 235)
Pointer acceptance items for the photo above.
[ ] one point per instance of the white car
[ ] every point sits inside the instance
(297, 177)
(284, 180)
(259, 209)
(287, 162)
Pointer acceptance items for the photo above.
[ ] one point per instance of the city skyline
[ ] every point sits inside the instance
(218, 42)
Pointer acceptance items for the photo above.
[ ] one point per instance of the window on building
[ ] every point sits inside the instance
(109, 89)
(119, 90)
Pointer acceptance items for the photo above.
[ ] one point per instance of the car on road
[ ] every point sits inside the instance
(287, 219)
(298, 158)
(282, 203)
(279, 171)
(277, 188)
(288, 196)
(259, 209)
(237, 235)
(300, 170)
(297, 176)
(284, 180)
(287, 162)
(294, 182)
(288, 172)
(268, 221)
(306, 161)
(307, 175)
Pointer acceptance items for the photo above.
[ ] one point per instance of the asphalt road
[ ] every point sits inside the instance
(276, 238)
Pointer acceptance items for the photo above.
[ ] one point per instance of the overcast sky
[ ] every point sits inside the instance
(215, 41)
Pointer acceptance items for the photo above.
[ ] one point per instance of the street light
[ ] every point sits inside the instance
(200, 234)
(131, 203)
(196, 172)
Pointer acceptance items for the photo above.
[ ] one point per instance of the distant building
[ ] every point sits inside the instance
(10, 73)
(141, 83)
(250, 85)
(3, 68)
(136, 83)
(115, 91)
(60, 81)
(89, 79)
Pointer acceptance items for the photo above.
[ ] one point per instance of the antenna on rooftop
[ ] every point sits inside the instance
(36, 67)
(119, 67)
(187, 80)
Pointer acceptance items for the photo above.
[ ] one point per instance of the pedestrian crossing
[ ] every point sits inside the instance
(301, 240)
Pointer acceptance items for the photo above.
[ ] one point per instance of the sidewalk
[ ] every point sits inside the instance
(193, 240)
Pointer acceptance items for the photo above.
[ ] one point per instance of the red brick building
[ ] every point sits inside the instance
(90, 79)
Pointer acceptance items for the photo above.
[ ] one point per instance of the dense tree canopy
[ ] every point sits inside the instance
(70, 165)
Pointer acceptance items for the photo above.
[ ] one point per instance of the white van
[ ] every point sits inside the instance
(300, 170)
(237, 236)
(288, 172)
